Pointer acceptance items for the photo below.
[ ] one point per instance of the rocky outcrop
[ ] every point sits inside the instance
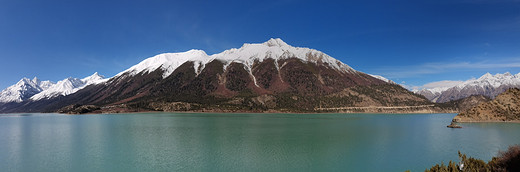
(504, 108)
(453, 125)
(79, 109)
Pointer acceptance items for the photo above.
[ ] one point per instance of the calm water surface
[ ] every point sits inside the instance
(242, 142)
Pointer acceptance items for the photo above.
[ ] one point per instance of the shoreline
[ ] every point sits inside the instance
(488, 121)
(190, 112)
(465, 119)
(219, 112)
(303, 113)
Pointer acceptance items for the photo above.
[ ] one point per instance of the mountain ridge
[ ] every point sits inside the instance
(68, 86)
(269, 76)
(34, 90)
(247, 54)
(487, 85)
(23, 90)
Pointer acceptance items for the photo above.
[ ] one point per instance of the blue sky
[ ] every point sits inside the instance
(411, 42)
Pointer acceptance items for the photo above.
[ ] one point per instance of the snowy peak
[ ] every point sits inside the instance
(68, 86)
(276, 42)
(23, 89)
(36, 80)
(25, 82)
(486, 76)
(494, 81)
(93, 79)
(274, 48)
(35, 89)
(488, 85)
(168, 62)
(278, 50)
(70, 83)
(94, 76)
(45, 84)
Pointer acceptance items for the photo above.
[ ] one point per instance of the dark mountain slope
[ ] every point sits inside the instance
(272, 76)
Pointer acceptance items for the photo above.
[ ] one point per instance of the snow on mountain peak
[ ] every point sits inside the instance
(93, 79)
(276, 42)
(488, 85)
(485, 76)
(494, 81)
(490, 80)
(36, 80)
(26, 82)
(23, 89)
(274, 48)
(168, 62)
(278, 50)
(68, 86)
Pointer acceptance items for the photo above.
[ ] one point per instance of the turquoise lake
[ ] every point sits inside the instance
(243, 142)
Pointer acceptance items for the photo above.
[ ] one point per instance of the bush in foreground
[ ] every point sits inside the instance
(505, 161)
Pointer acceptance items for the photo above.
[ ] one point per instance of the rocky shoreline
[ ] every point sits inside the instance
(191, 108)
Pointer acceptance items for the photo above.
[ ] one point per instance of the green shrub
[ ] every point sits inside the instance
(505, 161)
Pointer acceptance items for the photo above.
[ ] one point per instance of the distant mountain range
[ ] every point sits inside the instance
(270, 76)
(27, 89)
(487, 85)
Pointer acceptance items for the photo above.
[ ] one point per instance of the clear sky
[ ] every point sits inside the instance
(411, 42)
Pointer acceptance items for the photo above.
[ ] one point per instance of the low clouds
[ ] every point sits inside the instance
(436, 84)
(445, 83)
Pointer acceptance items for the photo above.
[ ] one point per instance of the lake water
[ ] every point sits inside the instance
(243, 142)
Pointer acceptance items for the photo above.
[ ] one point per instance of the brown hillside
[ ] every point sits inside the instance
(505, 107)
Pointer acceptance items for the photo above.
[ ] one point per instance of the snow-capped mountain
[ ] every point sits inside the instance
(248, 54)
(68, 86)
(35, 89)
(255, 77)
(487, 85)
(432, 94)
(23, 90)
(260, 75)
